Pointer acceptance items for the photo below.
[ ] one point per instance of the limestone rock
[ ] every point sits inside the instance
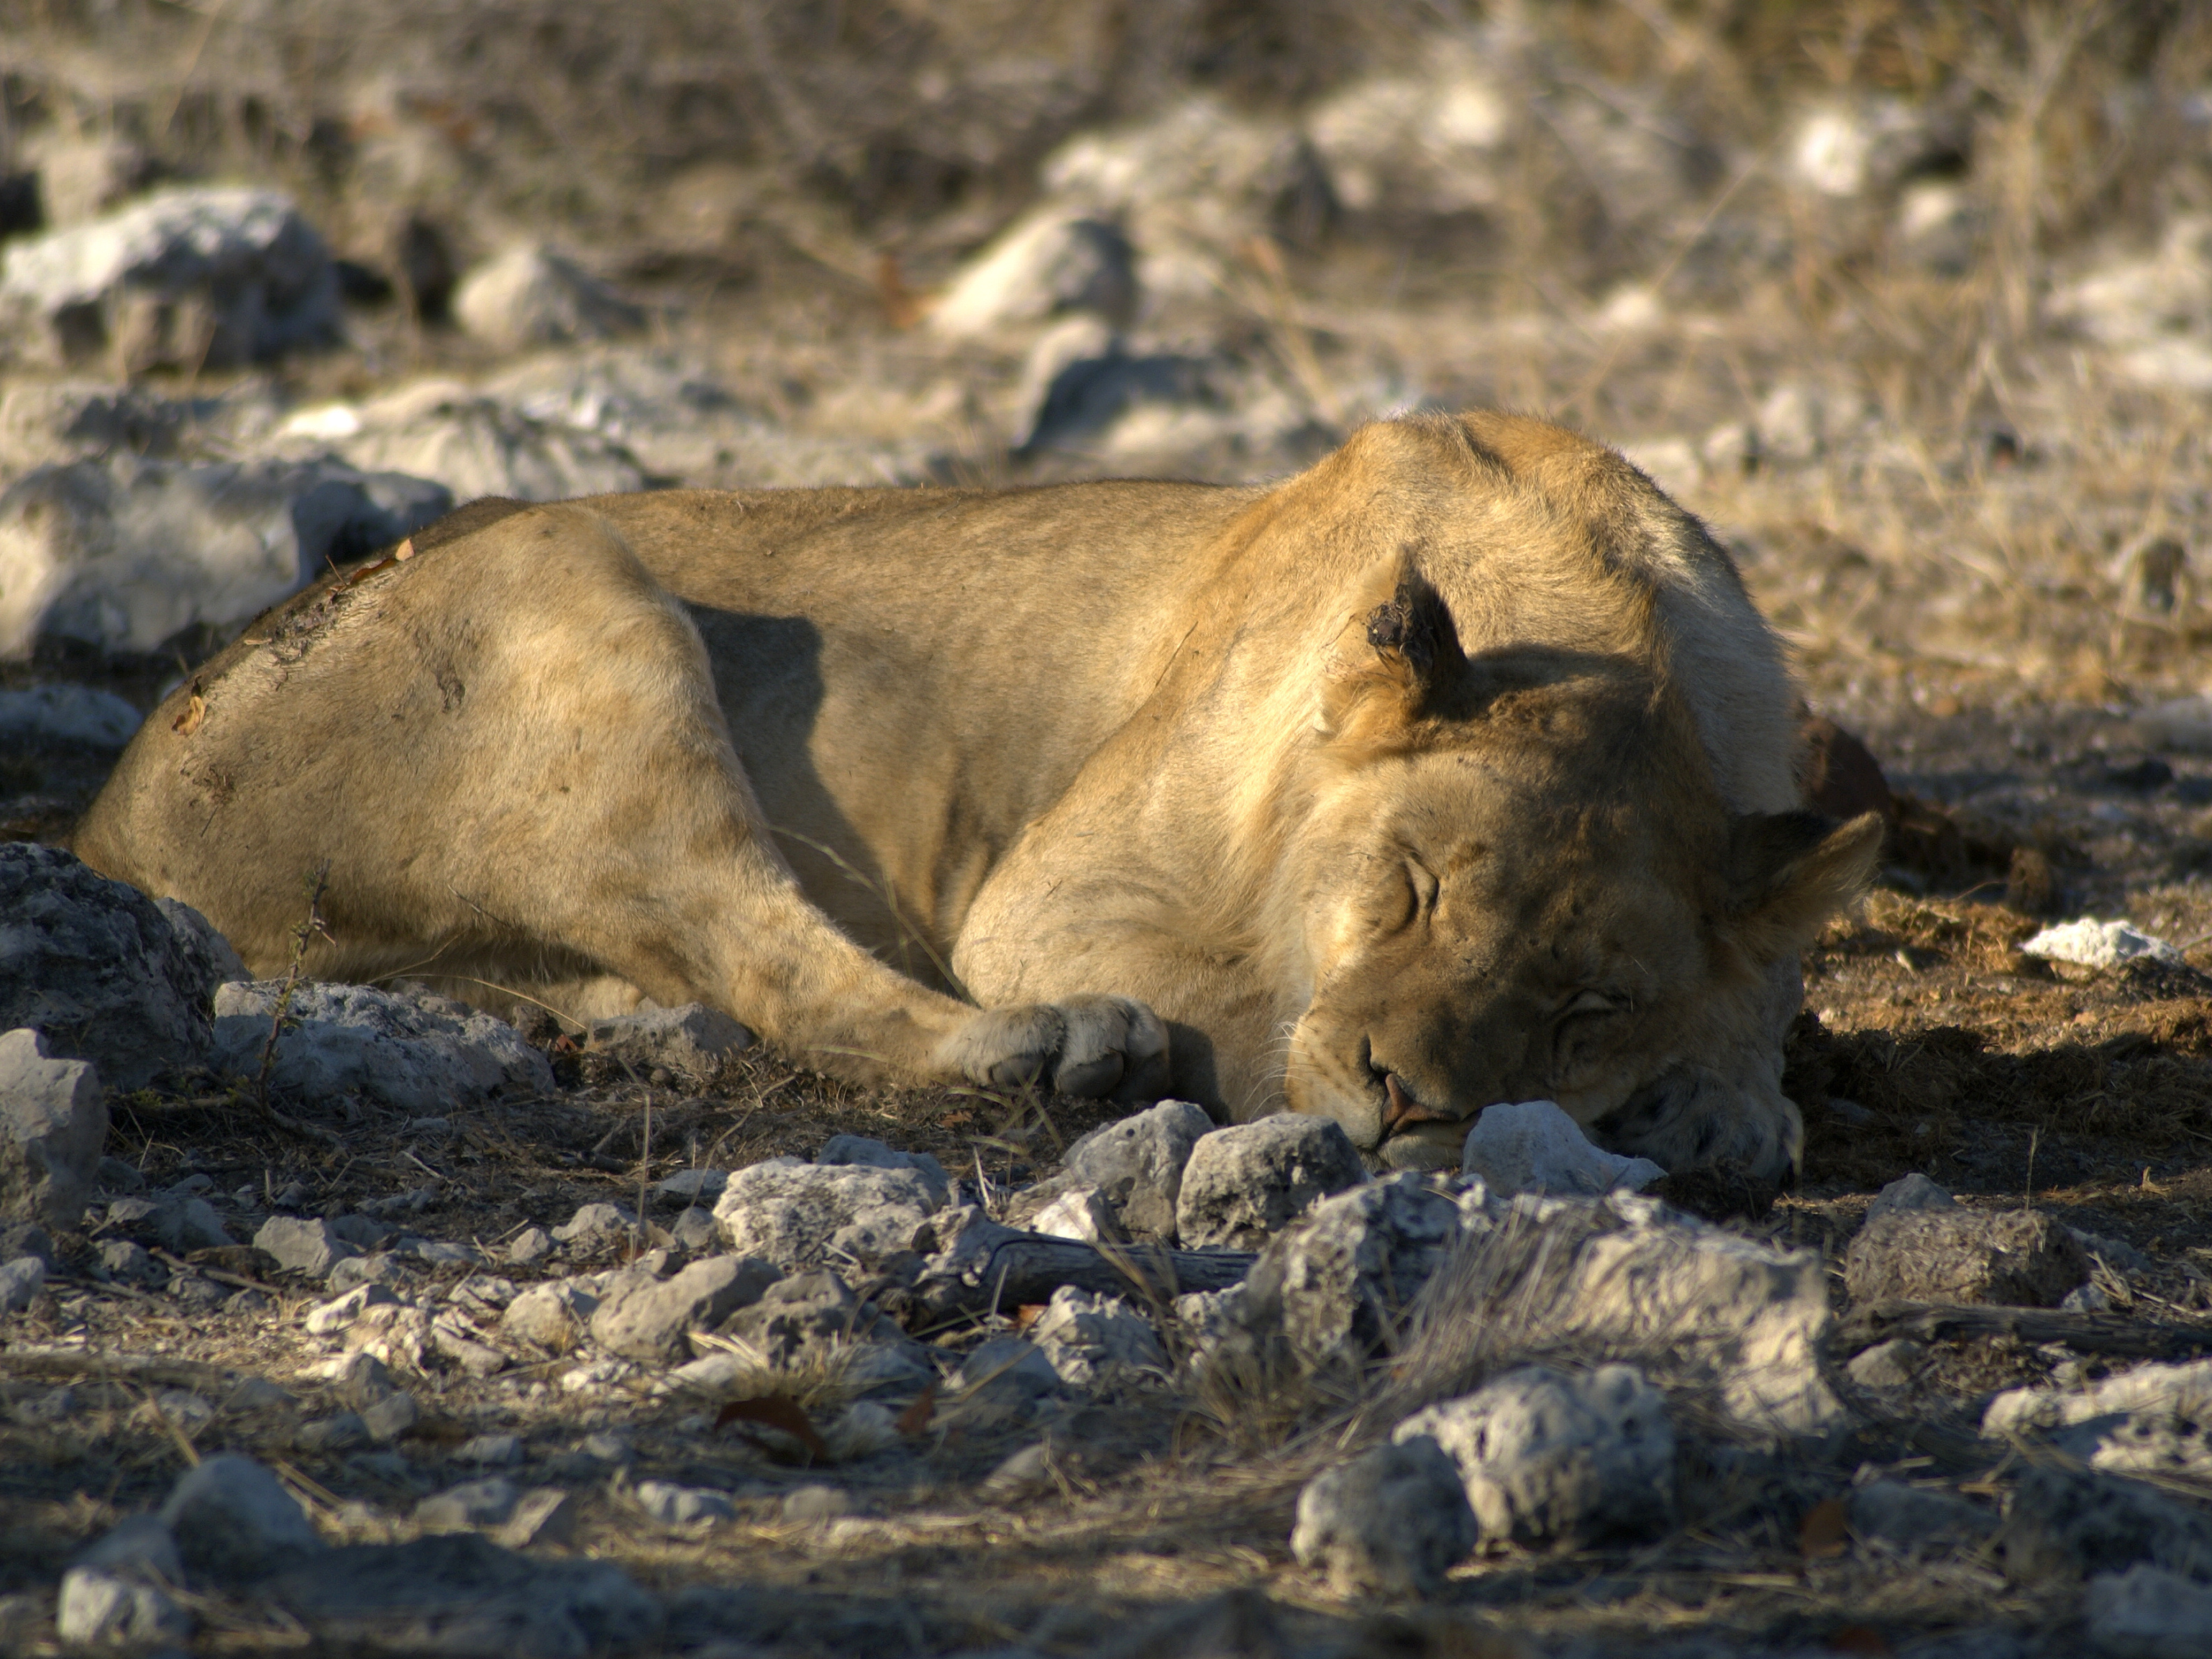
(2063, 1525)
(485, 1502)
(1137, 1164)
(551, 1316)
(193, 278)
(531, 296)
(1912, 1520)
(101, 1607)
(53, 1122)
(1550, 1456)
(802, 1216)
(66, 714)
(1004, 1375)
(124, 554)
(814, 1321)
(93, 965)
(1080, 1213)
(1907, 1193)
(233, 1520)
(468, 444)
(1429, 142)
(2020, 1258)
(1097, 1342)
(1394, 1520)
(418, 1053)
(2089, 943)
(1050, 261)
(20, 1281)
(841, 1152)
(647, 1323)
(301, 1246)
(594, 1224)
(1890, 1365)
(1246, 1183)
(1533, 1146)
(2147, 1612)
(682, 1506)
(1335, 1284)
(2151, 1420)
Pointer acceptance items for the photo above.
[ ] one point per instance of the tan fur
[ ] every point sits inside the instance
(1456, 769)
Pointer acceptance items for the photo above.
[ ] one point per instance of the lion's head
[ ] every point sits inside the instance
(1518, 881)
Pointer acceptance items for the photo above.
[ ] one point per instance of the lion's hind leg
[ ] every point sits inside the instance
(509, 746)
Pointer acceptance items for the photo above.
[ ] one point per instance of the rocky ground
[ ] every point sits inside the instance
(410, 1332)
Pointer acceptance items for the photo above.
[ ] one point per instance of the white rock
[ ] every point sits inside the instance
(1847, 148)
(531, 296)
(99, 969)
(233, 1520)
(1080, 1213)
(1245, 1183)
(671, 417)
(2148, 1612)
(1536, 1147)
(1793, 423)
(1188, 183)
(329, 1318)
(803, 1216)
(2184, 725)
(860, 1151)
(1137, 1163)
(124, 554)
(1049, 262)
(471, 445)
(1429, 141)
(1335, 1284)
(302, 1246)
(485, 1502)
(1097, 1342)
(593, 1223)
(20, 1281)
(1910, 1520)
(414, 1053)
(101, 1607)
(53, 1122)
(1908, 1192)
(1548, 1455)
(1394, 1520)
(682, 1506)
(2154, 1418)
(1891, 1364)
(2142, 305)
(192, 278)
(67, 713)
(2094, 944)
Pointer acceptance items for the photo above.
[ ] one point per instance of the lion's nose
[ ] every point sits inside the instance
(1400, 1109)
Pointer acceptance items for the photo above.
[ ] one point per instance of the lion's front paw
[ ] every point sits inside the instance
(1094, 1046)
(1692, 1118)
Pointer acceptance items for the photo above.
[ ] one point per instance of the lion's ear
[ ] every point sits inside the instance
(1397, 653)
(1790, 872)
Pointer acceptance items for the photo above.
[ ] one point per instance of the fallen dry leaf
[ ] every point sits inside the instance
(775, 1412)
(1824, 1532)
(915, 1417)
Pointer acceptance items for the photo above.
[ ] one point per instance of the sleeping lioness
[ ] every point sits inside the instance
(1457, 769)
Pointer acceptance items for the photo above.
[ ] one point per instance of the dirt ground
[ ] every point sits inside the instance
(1944, 568)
